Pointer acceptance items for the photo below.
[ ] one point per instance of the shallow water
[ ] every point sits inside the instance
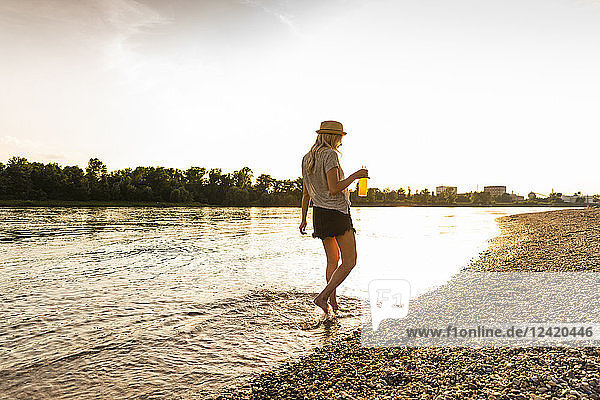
(128, 303)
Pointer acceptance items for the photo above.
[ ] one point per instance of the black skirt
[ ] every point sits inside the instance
(330, 223)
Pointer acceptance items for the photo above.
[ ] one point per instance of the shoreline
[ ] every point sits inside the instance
(551, 241)
(125, 204)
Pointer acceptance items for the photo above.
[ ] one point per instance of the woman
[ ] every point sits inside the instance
(324, 183)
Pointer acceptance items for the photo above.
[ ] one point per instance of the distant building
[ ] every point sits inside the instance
(495, 190)
(516, 197)
(446, 189)
(532, 196)
(573, 199)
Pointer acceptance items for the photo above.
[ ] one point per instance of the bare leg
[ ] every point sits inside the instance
(347, 245)
(332, 251)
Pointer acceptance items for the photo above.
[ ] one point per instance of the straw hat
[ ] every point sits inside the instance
(333, 127)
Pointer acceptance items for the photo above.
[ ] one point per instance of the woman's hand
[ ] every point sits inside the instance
(361, 173)
(303, 227)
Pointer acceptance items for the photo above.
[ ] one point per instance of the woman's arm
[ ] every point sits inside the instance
(334, 183)
(305, 201)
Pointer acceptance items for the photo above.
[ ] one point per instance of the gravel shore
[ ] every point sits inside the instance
(554, 241)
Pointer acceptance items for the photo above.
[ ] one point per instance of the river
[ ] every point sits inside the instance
(128, 303)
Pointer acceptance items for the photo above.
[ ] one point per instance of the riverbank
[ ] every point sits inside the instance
(100, 203)
(554, 241)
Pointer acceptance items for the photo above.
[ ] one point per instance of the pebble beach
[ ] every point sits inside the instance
(553, 241)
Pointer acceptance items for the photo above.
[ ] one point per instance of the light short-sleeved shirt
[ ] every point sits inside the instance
(316, 182)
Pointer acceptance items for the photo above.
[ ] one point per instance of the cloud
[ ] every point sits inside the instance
(125, 20)
(12, 141)
(31, 149)
(84, 28)
(285, 18)
(12, 146)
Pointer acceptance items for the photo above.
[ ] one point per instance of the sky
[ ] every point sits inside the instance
(431, 92)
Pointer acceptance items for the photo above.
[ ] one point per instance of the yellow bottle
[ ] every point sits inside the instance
(362, 187)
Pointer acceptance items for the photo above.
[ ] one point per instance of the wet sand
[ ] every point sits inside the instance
(555, 241)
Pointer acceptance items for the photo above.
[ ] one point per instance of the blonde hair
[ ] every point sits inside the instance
(324, 141)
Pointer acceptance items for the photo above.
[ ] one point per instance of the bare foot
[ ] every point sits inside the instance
(334, 304)
(322, 303)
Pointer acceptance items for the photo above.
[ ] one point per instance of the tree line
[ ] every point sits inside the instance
(24, 180)
(401, 196)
